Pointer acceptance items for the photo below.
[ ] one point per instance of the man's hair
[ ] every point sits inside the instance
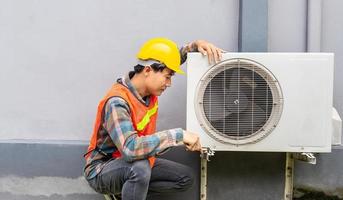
(157, 67)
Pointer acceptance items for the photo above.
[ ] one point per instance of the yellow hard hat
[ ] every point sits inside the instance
(162, 50)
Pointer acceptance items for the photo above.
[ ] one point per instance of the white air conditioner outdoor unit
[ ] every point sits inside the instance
(274, 102)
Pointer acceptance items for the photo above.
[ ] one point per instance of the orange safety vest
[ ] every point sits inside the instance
(143, 117)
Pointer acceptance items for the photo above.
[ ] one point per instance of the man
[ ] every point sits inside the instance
(121, 157)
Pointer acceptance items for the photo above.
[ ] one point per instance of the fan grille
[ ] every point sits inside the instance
(240, 101)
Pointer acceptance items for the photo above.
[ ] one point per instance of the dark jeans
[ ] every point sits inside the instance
(134, 180)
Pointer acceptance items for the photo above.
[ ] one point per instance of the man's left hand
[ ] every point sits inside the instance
(213, 53)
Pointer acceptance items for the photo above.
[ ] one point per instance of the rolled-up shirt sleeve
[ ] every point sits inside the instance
(190, 47)
(118, 124)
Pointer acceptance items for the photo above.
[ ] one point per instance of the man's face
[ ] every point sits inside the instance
(157, 82)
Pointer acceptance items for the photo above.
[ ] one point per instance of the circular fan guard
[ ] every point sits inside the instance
(239, 101)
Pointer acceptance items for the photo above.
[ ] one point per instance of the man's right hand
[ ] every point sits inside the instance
(191, 141)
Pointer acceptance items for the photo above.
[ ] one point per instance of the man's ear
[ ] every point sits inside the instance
(146, 70)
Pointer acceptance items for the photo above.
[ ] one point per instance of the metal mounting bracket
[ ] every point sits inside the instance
(289, 170)
(206, 152)
(205, 157)
(306, 157)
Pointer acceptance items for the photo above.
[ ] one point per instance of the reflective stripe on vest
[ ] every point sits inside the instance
(146, 119)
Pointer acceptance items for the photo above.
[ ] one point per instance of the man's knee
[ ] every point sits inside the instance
(141, 171)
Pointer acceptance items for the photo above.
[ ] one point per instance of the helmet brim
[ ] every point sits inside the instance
(179, 71)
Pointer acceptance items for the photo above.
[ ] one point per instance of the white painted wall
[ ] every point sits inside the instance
(287, 25)
(58, 58)
(332, 41)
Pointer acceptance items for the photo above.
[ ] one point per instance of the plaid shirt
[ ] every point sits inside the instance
(117, 132)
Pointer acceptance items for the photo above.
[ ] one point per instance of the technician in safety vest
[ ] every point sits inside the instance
(121, 157)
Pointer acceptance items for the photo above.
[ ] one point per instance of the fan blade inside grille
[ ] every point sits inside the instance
(236, 101)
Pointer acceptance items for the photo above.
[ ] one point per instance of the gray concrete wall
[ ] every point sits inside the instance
(52, 170)
(58, 58)
(49, 170)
